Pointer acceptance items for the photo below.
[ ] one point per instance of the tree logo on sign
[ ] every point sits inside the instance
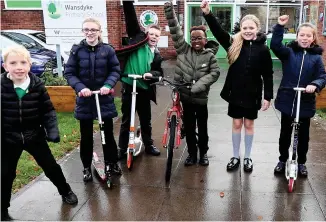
(148, 17)
(54, 10)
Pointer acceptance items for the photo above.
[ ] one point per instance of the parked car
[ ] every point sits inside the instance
(39, 37)
(41, 58)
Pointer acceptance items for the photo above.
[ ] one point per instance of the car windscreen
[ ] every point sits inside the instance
(40, 36)
(22, 39)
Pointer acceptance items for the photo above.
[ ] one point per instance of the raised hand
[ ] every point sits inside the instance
(168, 4)
(205, 7)
(282, 20)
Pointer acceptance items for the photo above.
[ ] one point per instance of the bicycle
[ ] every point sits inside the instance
(291, 166)
(173, 125)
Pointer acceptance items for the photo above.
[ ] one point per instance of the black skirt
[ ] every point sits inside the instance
(238, 112)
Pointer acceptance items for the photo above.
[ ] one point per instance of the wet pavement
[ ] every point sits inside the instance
(194, 193)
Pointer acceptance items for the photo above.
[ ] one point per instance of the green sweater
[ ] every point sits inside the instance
(139, 63)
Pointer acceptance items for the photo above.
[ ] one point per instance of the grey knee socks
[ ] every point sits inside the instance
(248, 145)
(236, 139)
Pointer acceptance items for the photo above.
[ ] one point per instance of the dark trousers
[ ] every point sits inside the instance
(143, 108)
(193, 114)
(86, 142)
(41, 152)
(285, 138)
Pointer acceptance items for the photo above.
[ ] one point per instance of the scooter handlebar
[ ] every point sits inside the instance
(302, 89)
(155, 78)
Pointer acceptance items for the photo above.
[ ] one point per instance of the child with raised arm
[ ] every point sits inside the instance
(197, 64)
(302, 66)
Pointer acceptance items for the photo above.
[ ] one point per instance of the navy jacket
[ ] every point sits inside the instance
(93, 67)
(292, 57)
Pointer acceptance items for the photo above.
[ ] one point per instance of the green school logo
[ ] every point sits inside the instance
(148, 17)
(54, 10)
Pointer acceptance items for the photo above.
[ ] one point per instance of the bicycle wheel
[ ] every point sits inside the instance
(170, 148)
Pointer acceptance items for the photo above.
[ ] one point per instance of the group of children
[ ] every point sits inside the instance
(28, 119)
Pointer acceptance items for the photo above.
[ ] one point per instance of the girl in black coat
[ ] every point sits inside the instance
(250, 62)
(28, 121)
(93, 65)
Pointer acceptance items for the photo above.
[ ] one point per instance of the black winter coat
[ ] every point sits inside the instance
(244, 81)
(312, 73)
(31, 118)
(93, 67)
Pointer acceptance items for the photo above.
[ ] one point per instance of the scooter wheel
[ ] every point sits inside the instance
(291, 184)
(130, 160)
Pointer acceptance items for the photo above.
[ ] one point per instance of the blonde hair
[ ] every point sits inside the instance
(97, 22)
(16, 50)
(237, 40)
(314, 31)
(152, 26)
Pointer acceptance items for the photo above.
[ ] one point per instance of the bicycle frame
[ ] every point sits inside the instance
(177, 110)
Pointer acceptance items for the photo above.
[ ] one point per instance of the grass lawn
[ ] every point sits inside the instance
(322, 113)
(27, 168)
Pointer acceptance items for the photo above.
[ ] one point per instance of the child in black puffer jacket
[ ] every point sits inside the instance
(28, 121)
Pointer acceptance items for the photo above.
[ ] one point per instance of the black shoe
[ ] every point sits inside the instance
(5, 215)
(87, 174)
(122, 154)
(70, 198)
(190, 161)
(247, 165)
(233, 163)
(113, 168)
(152, 150)
(203, 160)
(280, 168)
(303, 170)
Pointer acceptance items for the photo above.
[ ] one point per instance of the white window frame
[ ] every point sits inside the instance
(161, 2)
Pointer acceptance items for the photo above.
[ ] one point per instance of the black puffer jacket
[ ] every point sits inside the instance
(29, 119)
(244, 82)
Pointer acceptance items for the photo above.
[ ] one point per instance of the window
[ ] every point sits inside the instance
(294, 17)
(259, 11)
(40, 36)
(196, 16)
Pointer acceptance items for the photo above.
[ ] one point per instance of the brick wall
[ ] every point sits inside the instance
(23, 19)
(322, 39)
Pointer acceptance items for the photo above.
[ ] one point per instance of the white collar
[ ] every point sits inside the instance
(24, 85)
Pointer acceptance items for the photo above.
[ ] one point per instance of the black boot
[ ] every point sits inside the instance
(87, 174)
(5, 215)
(191, 160)
(280, 168)
(112, 168)
(203, 160)
(152, 150)
(70, 198)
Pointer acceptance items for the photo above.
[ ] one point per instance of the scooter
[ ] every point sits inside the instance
(291, 166)
(97, 163)
(135, 141)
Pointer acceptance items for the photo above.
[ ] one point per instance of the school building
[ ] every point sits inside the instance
(28, 15)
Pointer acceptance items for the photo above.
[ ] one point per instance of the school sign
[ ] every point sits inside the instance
(63, 19)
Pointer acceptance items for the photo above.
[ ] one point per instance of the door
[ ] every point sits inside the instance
(224, 14)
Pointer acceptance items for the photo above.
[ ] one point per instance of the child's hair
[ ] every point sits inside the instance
(97, 22)
(234, 50)
(314, 31)
(200, 28)
(153, 26)
(17, 50)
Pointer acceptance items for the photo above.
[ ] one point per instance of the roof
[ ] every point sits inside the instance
(23, 31)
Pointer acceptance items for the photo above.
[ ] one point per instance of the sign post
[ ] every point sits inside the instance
(63, 21)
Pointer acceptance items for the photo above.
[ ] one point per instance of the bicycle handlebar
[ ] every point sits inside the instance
(174, 84)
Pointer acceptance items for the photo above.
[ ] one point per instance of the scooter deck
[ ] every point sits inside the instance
(99, 166)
